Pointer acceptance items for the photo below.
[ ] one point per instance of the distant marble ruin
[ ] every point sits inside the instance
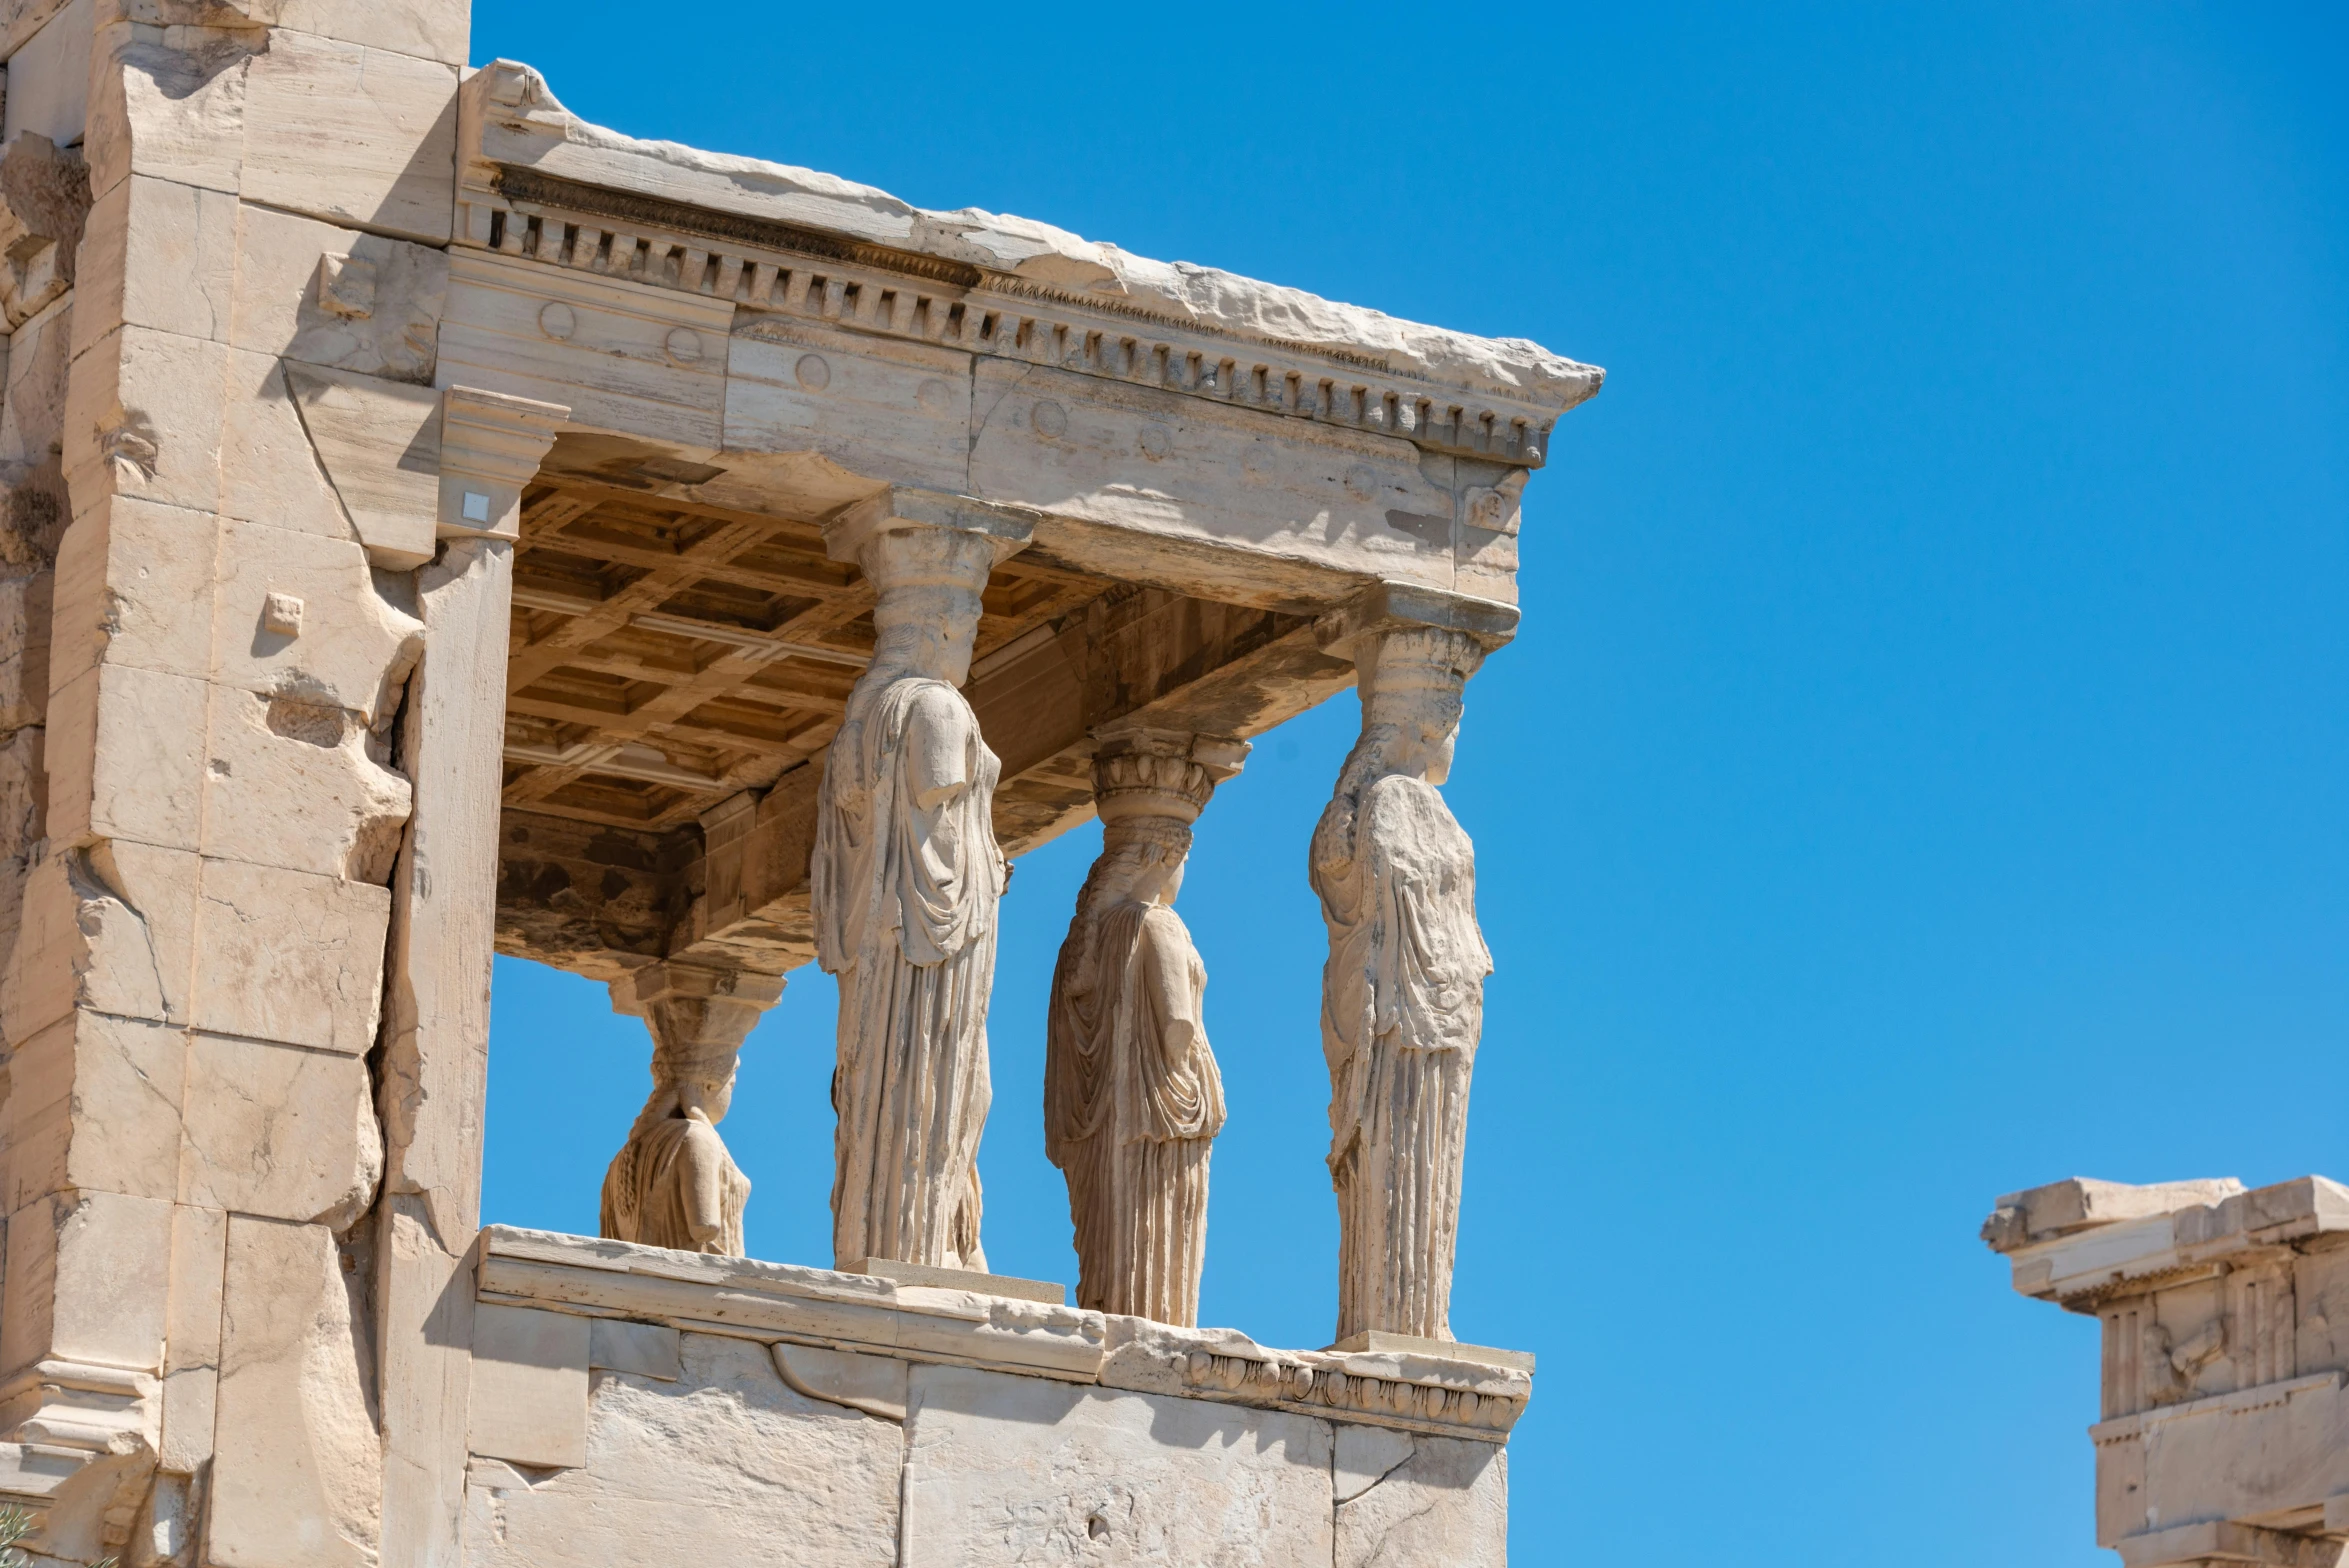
(2223, 1430)
(436, 526)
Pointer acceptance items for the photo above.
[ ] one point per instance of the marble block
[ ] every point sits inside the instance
(1004, 1470)
(724, 1465)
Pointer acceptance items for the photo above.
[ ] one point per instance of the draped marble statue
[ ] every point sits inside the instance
(1403, 991)
(1132, 1098)
(673, 1184)
(904, 884)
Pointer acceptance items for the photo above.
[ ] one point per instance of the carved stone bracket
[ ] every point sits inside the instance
(490, 446)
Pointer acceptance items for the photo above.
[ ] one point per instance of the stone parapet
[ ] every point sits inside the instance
(1412, 1389)
(627, 1399)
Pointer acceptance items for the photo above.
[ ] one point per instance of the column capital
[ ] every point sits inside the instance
(1359, 624)
(683, 980)
(1144, 771)
(900, 508)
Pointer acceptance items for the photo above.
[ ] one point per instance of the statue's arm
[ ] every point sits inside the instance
(938, 747)
(704, 1175)
(1166, 983)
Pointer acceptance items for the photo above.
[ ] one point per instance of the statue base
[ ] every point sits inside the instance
(632, 1404)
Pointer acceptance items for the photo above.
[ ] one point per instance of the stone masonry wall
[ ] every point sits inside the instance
(204, 786)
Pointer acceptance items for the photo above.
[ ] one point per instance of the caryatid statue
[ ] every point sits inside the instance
(673, 1184)
(1403, 991)
(904, 883)
(1132, 1099)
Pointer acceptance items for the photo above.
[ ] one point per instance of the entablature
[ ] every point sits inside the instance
(538, 183)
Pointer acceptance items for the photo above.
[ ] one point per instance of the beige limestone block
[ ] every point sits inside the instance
(25, 604)
(884, 410)
(1181, 471)
(109, 928)
(94, 1103)
(333, 296)
(355, 647)
(191, 1406)
(620, 355)
(875, 1385)
(32, 424)
(646, 1349)
(424, 1334)
(134, 588)
(176, 114)
(191, 1343)
(125, 749)
(357, 136)
(378, 444)
(278, 1132)
(156, 254)
(727, 1458)
(20, 20)
(24, 808)
(286, 956)
(1447, 1502)
(1005, 1470)
(199, 1257)
(429, 29)
(529, 1401)
(86, 1281)
(270, 468)
(143, 418)
(48, 69)
(297, 1471)
(298, 789)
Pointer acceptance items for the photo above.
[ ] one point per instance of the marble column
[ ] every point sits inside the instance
(1132, 1098)
(1403, 989)
(673, 1184)
(903, 885)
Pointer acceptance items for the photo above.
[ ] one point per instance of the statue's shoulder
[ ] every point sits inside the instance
(934, 703)
(1409, 823)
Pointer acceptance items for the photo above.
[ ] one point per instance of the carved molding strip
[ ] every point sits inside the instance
(528, 188)
(761, 265)
(775, 1302)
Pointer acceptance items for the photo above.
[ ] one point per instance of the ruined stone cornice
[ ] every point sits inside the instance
(541, 184)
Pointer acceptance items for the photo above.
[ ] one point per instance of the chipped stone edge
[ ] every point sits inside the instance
(780, 1302)
(512, 128)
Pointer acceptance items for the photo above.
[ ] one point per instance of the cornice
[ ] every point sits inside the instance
(540, 185)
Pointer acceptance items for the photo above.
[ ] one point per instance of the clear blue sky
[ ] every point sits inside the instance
(1924, 769)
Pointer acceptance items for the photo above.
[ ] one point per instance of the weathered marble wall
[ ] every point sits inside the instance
(817, 1424)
